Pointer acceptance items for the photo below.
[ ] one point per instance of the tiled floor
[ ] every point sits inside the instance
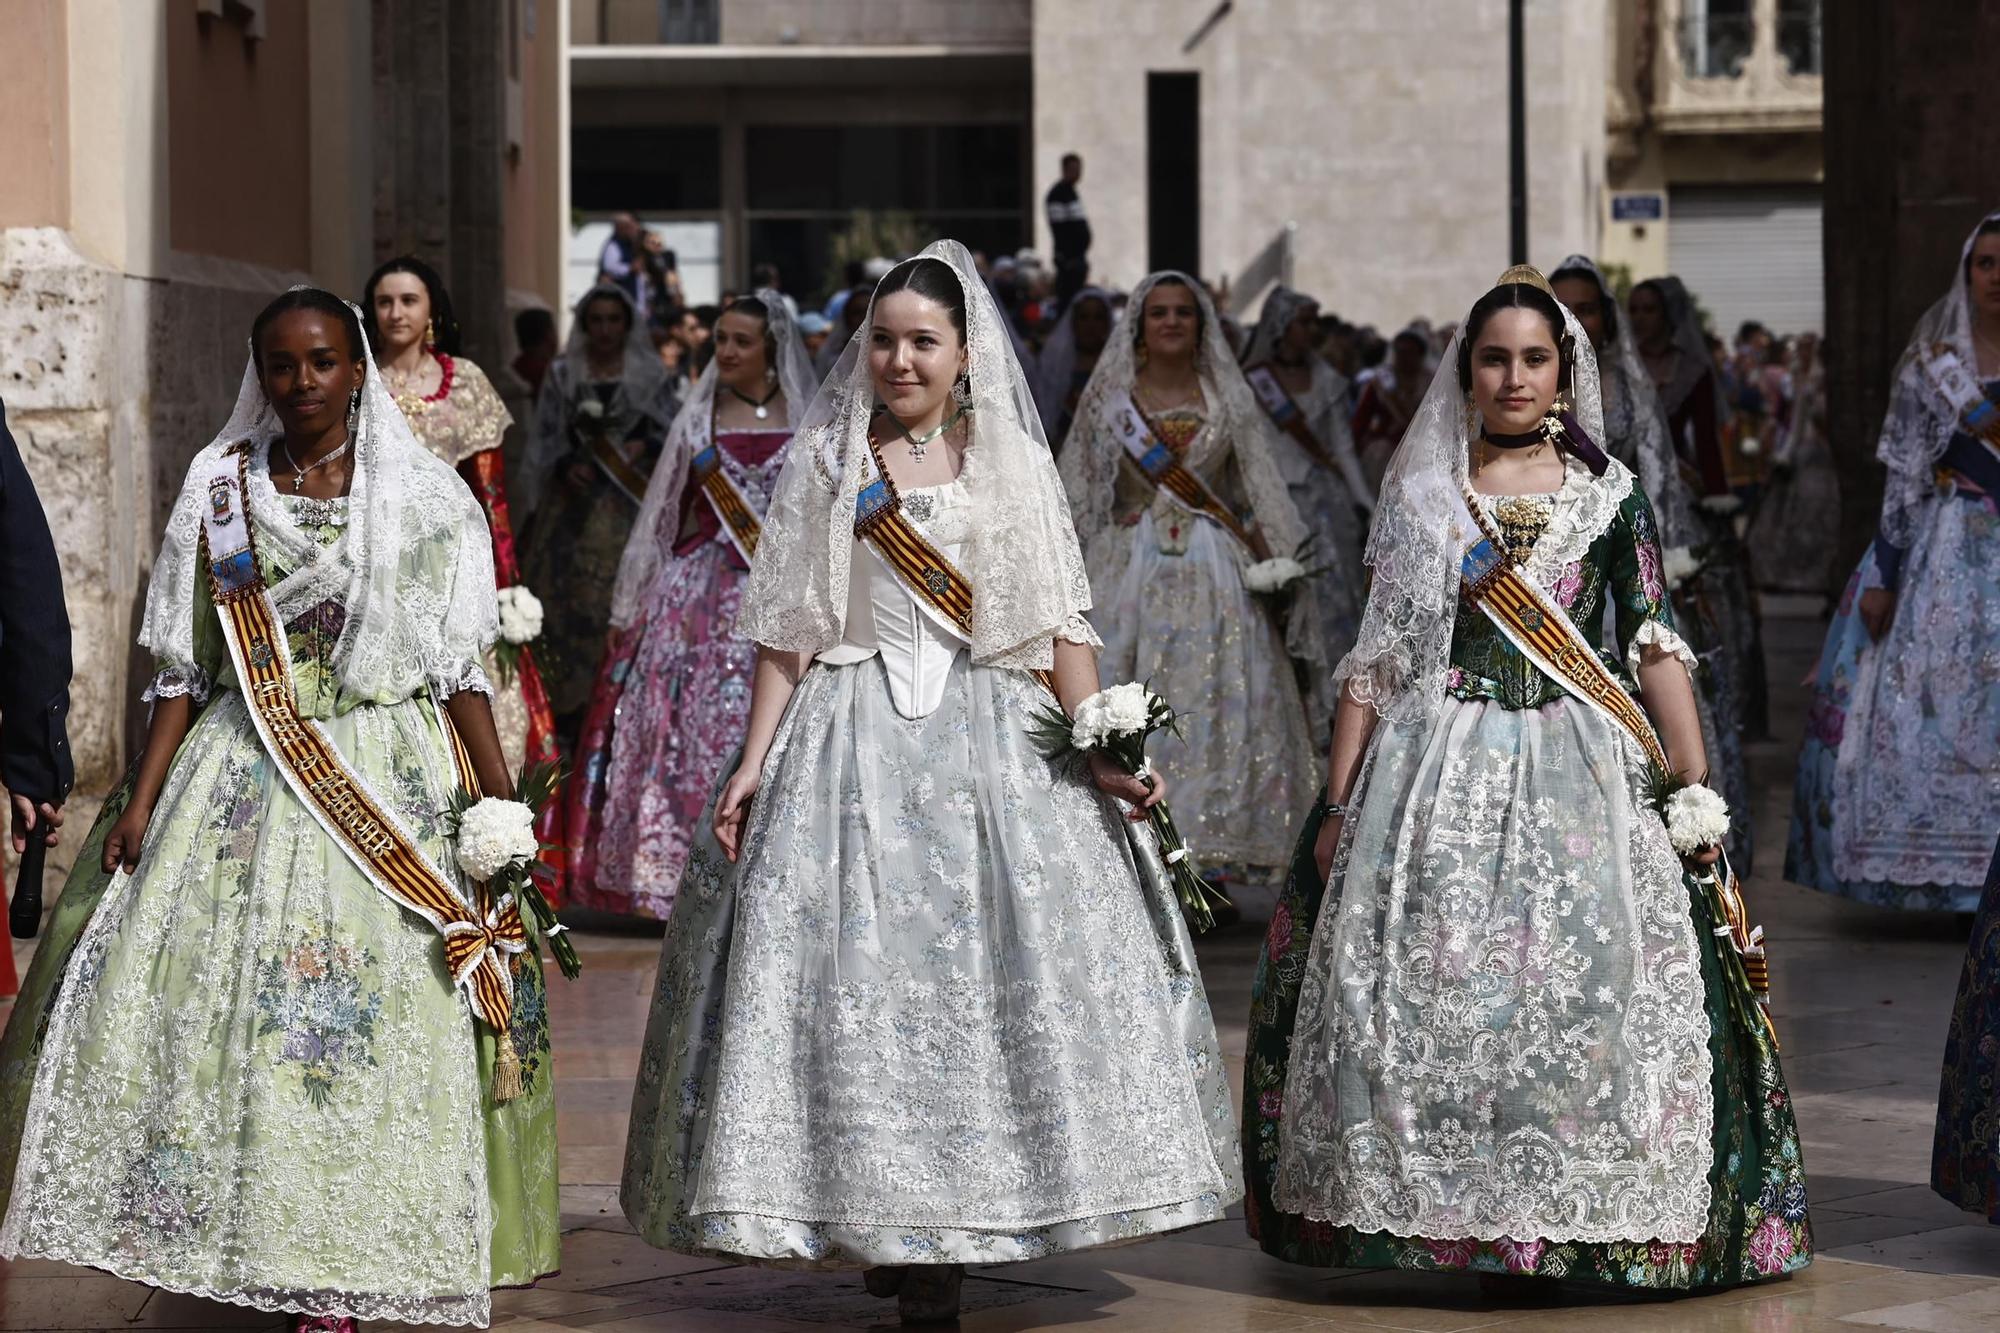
(1862, 997)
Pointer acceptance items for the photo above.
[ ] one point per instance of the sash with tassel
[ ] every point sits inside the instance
(1162, 466)
(926, 572)
(481, 937)
(1543, 632)
(738, 517)
(1285, 413)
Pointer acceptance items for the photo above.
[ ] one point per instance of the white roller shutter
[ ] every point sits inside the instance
(1750, 252)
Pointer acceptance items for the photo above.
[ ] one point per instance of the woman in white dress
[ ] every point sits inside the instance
(922, 992)
(1167, 559)
(1306, 399)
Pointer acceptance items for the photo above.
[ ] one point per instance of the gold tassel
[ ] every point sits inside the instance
(506, 1071)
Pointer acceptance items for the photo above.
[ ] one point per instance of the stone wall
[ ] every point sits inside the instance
(112, 383)
(1380, 130)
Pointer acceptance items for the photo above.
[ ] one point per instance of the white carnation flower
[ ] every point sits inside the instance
(590, 407)
(520, 614)
(1696, 818)
(1127, 707)
(1678, 565)
(494, 834)
(1270, 576)
(1721, 504)
(1749, 446)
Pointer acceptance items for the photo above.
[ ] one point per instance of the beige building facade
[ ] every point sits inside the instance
(1715, 157)
(169, 166)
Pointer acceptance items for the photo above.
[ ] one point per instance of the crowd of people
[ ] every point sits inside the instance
(835, 622)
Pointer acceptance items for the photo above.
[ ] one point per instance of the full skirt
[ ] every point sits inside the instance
(670, 704)
(1524, 1006)
(1965, 1155)
(931, 1012)
(242, 1072)
(1898, 790)
(1183, 623)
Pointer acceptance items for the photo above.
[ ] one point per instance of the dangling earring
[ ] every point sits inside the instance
(354, 412)
(1141, 357)
(430, 333)
(770, 374)
(1471, 418)
(961, 392)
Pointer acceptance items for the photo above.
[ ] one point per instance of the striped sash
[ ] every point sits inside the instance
(1163, 467)
(929, 576)
(1285, 413)
(739, 519)
(479, 941)
(611, 461)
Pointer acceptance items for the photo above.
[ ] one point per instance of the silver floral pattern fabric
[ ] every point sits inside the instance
(1501, 1030)
(944, 1009)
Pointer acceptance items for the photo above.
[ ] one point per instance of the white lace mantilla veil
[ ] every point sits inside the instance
(654, 531)
(406, 629)
(1057, 363)
(644, 384)
(1236, 423)
(1659, 468)
(1026, 571)
(1919, 424)
(1281, 307)
(1400, 659)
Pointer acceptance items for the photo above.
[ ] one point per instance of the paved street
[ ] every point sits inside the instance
(1862, 997)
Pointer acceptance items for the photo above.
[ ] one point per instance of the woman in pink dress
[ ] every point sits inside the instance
(673, 693)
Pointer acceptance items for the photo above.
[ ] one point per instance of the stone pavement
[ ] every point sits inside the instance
(1862, 996)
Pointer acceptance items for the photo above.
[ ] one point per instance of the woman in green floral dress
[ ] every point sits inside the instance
(1493, 1027)
(238, 1068)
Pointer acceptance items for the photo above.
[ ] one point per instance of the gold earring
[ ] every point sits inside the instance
(430, 333)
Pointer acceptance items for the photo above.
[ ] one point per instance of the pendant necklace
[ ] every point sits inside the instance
(917, 442)
(760, 404)
(299, 473)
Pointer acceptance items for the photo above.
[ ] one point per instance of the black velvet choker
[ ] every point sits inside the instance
(1533, 437)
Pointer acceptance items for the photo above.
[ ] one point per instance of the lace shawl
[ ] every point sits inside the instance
(469, 418)
(654, 531)
(1403, 652)
(1920, 423)
(406, 630)
(1236, 428)
(1023, 561)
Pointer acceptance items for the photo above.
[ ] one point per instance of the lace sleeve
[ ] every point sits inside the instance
(174, 682)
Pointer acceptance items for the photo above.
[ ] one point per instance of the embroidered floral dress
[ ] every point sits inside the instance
(671, 701)
(1898, 787)
(1173, 611)
(1504, 1037)
(255, 1080)
(931, 1011)
(463, 422)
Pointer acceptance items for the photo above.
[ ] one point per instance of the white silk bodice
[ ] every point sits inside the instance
(884, 619)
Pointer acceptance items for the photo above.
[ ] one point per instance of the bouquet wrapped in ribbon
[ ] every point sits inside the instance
(1115, 723)
(498, 848)
(1697, 818)
(520, 625)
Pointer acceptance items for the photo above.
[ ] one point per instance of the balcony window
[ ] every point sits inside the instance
(1716, 37)
(1799, 36)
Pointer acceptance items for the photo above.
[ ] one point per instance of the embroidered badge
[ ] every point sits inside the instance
(260, 653)
(937, 581)
(221, 501)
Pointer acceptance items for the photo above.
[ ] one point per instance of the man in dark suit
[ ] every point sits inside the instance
(35, 763)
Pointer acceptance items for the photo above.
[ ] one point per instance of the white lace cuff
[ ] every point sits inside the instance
(1653, 634)
(1077, 630)
(172, 682)
(458, 677)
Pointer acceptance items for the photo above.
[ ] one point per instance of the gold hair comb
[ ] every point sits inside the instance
(1527, 275)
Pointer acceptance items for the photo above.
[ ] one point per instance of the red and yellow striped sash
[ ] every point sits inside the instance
(738, 519)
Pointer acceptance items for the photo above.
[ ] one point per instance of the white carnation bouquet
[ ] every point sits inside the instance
(1679, 564)
(497, 847)
(520, 625)
(1116, 722)
(1722, 505)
